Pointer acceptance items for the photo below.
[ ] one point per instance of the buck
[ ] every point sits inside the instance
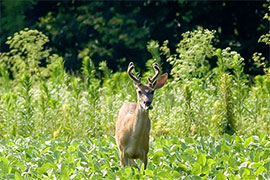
(133, 123)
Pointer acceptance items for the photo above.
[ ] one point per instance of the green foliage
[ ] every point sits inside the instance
(220, 99)
(266, 37)
(232, 157)
(205, 102)
(119, 32)
(259, 60)
(4, 74)
(26, 54)
(26, 112)
(232, 89)
(42, 104)
(57, 70)
(153, 48)
(99, 32)
(259, 93)
(192, 53)
(224, 116)
(13, 17)
(258, 100)
(88, 69)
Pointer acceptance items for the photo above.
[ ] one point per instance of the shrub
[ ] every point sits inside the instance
(192, 53)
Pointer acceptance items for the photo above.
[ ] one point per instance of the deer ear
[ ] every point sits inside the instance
(161, 81)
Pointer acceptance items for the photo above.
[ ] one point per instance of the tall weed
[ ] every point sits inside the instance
(40, 98)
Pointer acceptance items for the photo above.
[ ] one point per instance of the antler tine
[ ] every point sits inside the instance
(157, 70)
(131, 75)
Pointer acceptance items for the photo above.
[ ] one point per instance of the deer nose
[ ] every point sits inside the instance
(147, 103)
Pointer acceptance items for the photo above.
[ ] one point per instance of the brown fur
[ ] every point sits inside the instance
(133, 125)
(132, 133)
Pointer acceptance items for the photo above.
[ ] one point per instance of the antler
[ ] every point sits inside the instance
(154, 79)
(131, 75)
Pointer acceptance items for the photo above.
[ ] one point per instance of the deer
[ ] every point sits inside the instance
(133, 124)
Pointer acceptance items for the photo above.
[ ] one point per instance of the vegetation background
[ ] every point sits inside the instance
(63, 79)
(118, 31)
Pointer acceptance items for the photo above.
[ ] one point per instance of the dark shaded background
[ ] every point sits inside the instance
(118, 31)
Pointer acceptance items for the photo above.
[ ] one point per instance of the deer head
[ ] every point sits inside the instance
(145, 93)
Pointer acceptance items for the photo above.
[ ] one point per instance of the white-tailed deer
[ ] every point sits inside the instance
(133, 124)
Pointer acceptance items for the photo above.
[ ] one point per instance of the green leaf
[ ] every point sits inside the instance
(262, 136)
(4, 165)
(210, 162)
(176, 174)
(142, 169)
(128, 170)
(182, 166)
(202, 159)
(238, 139)
(157, 154)
(260, 170)
(111, 176)
(166, 150)
(188, 157)
(255, 165)
(248, 141)
(21, 165)
(190, 150)
(189, 140)
(71, 148)
(82, 156)
(57, 154)
(196, 169)
(265, 155)
(45, 167)
(225, 147)
(267, 166)
(244, 172)
(82, 148)
(149, 173)
(163, 174)
(220, 176)
(17, 176)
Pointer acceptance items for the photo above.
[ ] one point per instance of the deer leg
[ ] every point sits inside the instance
(144, 160)
(132, 162)
(123, 159)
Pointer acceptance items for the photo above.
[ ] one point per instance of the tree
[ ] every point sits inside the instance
(118, 32)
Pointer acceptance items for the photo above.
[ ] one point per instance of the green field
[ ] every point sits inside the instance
(230, 157)
(208, 121)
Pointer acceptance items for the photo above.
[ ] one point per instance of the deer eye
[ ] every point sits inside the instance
(140, 92)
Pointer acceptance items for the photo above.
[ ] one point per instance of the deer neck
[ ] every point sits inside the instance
(140, 119)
